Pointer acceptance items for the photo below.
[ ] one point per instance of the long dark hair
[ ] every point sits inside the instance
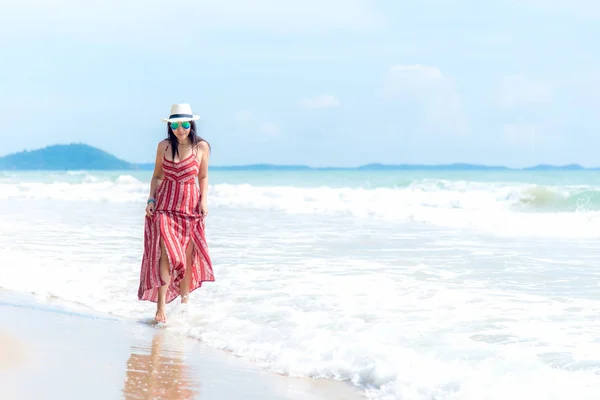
(194, 138)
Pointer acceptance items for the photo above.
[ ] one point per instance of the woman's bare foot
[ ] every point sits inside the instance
(160, 314)
(185, 298)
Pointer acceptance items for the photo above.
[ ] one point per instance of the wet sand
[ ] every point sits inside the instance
(49, 352)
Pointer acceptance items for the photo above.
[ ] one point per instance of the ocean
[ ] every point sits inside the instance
(412, 285)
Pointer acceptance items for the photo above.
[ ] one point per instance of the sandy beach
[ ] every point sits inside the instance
(50, 352)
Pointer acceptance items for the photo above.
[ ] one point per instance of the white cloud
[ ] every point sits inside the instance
(243, 117)
(269, 129)
(585, 9)
(306, 15)
(434, 92)
(520, 135)
(321, 101)
(519, 90)
(159, 20)
(583, 87)
(249, 121)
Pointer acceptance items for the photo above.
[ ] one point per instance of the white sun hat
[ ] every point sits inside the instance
(181, 112)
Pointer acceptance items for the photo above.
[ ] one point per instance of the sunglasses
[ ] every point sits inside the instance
(184, 124)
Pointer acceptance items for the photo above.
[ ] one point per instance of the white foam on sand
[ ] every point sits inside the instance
(129, 359)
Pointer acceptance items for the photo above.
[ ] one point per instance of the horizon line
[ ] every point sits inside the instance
(375, 165)
(458, 165)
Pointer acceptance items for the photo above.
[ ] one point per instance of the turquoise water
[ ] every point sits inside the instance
(538, 191)
(343, 178)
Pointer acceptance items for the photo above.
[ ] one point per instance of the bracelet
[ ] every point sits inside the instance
(151, 200)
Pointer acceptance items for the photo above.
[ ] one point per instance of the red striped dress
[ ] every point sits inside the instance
(177, 220)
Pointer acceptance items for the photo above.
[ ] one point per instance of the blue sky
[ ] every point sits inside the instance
(317, 82)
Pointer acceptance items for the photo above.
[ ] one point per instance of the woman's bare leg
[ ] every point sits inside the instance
(162, 291)
(184, 284)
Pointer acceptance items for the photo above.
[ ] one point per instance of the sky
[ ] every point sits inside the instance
(314, 82)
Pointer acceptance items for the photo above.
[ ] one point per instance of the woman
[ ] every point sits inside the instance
(176, 259)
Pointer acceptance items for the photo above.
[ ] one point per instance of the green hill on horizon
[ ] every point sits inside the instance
(75, 156)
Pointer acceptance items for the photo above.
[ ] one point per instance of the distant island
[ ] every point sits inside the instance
(79, 156)
(64, 157)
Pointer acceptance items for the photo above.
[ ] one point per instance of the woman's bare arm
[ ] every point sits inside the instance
(157, 175)
(203, 173)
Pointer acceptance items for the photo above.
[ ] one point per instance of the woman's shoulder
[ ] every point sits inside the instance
(162, 145)
(202, 145)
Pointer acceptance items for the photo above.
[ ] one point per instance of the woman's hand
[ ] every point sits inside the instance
(203, 208)
(150, 209)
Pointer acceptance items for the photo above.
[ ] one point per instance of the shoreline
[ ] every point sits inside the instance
(52, 352)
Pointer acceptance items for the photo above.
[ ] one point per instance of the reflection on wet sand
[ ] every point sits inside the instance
(159, 372)
(12, 352)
